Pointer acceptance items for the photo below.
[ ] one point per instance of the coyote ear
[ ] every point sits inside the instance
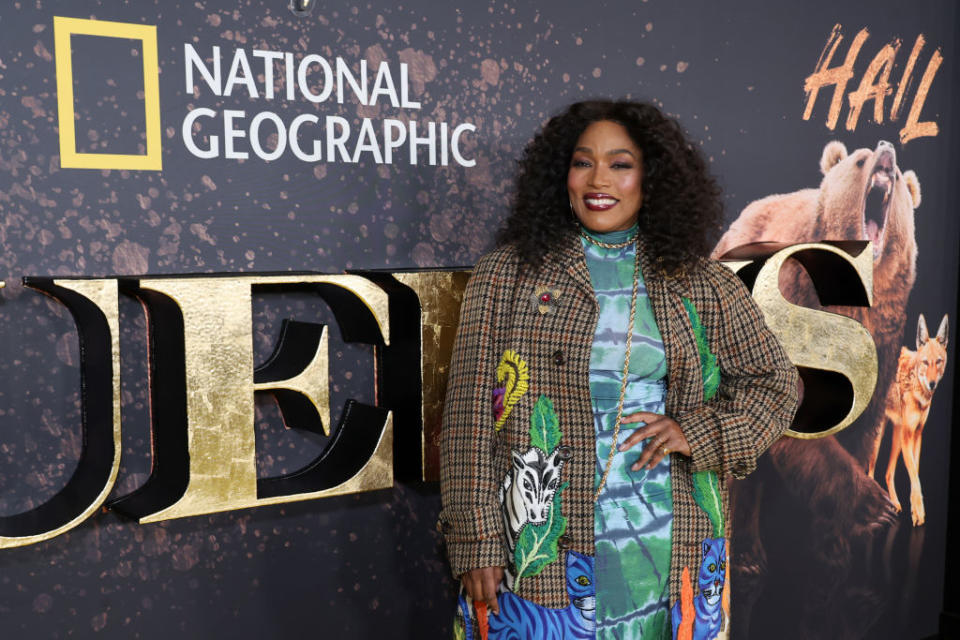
(944, 331)
(923, 335)
(834, 153)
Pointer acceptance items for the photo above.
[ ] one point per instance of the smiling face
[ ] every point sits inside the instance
(605, 178)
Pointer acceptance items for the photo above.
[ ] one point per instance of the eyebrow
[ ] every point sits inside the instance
(612, 152)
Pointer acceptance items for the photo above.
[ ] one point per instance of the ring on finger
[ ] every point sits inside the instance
(665, 451)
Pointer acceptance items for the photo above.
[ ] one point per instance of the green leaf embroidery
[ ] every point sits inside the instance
(544, 426)
(537, 544)
(709, 369)
(706, 493)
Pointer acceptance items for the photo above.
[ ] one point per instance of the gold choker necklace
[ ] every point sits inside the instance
(609, 245)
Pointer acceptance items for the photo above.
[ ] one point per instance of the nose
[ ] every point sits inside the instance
(599, 177)
(886, 150)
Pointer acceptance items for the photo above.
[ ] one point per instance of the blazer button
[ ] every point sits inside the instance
(565, 452)
(558, 358)
(740, 469)
(564, 542)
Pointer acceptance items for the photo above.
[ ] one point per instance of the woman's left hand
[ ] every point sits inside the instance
(664, 433)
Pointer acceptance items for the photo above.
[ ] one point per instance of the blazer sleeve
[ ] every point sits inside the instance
(470, 518)
(757, 397)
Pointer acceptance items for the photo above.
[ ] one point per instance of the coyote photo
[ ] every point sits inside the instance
(908, 404)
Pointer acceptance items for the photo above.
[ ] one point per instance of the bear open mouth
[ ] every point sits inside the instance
(878, 196)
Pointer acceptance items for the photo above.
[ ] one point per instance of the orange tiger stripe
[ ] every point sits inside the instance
(685, 630)
(482, 623)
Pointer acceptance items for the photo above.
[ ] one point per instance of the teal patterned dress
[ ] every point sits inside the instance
(634, 513)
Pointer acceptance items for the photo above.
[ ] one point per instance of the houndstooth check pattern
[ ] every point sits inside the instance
(755, 403)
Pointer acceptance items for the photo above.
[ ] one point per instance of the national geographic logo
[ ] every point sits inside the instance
(271, 105)
(70, 158)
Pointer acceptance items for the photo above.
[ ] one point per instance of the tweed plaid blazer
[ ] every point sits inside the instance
(504, 308)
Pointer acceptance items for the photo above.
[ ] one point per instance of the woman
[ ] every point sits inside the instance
(606, 380)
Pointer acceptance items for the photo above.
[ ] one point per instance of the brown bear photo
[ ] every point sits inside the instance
(822, 483)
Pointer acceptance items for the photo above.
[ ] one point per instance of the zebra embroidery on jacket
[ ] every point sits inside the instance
(530, 497)
(527, 490)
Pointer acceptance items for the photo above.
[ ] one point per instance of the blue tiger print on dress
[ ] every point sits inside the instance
(708, 603)
(521, 619)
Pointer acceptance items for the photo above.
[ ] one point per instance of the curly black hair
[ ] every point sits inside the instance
(681, 214)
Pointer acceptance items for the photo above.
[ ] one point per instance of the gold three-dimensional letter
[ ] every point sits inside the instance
(95, 308)
(203, 383)
(835, 354)
(424, 312)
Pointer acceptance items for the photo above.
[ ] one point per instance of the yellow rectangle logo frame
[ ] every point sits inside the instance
(63, 28)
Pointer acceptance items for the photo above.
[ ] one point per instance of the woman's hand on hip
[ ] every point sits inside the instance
(665, 438)
(481, 585)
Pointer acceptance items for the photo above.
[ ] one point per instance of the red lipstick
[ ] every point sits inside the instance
(599, 201)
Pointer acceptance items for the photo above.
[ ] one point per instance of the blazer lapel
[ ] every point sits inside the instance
(680, 345)
(574, 264)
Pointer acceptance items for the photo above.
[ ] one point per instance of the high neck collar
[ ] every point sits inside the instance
(569, 256)
(612, 237)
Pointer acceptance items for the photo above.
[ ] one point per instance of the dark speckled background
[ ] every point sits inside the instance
(369, 565)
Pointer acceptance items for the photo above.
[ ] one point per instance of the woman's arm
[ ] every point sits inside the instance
(757, 398)
(471, 519)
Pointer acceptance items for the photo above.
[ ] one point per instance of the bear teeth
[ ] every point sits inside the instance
(882, 181)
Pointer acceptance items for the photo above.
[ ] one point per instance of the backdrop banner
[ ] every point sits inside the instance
(253, 222)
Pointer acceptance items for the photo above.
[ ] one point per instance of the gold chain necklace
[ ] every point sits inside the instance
(609, 245)
(626, 359)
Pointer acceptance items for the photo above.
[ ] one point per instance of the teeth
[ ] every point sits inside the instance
(600, 201)
(882, 181)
